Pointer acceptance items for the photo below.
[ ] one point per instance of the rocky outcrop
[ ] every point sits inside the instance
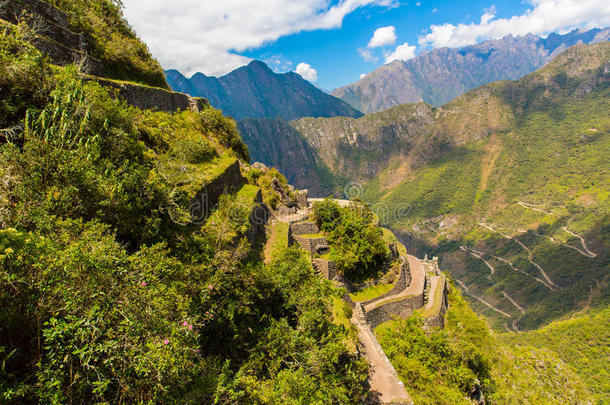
(55, 38)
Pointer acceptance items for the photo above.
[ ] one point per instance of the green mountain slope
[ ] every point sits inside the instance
(582, 341)
(112, 289)
(525, 160)
(540, 178)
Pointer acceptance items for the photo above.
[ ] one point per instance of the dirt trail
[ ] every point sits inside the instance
(512, 301)
(479, 255)
(534, 207)
(586, 252)
(530, 254)
(481, 299)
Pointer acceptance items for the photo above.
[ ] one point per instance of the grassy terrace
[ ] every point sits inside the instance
(277, 240)
(389, 237)
(197, 175)
(371, 292)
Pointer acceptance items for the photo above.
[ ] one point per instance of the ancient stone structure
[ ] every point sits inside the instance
(55, 38)
(229, 181)
(154, 98)
(259, 216)
(327, 268)
(65, 47)
(404, 279)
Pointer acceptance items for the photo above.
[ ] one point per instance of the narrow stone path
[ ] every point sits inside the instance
(418, 280)
(467, 290)
(530, 254)
(383, 378)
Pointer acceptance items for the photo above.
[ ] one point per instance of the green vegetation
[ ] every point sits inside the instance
(450, 365)
(541, 140)
(110, 39)
(583, 342)
(278, 239)
(371, 292)
(110, 294)
(356, 243)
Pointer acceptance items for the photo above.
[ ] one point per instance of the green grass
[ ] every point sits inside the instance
(582, 341)
(371, 292)
(277, 241)
(193, 177)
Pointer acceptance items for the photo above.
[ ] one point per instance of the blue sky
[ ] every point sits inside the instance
(330, 42)
(334, 53)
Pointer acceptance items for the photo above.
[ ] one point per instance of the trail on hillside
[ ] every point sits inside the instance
(481, 299)
(530, 254)
(510, 264)
(534, 207)
(587, 252)
(479, 255)
(512, 301)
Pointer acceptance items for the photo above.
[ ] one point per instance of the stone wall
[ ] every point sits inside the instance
(403, 307)
(55, 39)
(304, 228)
(404, 279)
(206, 200)
(327, 268)
(259, 216)
(316, 245)
(153, 98)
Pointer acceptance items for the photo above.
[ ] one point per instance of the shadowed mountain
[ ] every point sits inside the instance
(255, 91)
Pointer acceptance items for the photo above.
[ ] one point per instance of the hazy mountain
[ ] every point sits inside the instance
(255, 91)
(439, 76)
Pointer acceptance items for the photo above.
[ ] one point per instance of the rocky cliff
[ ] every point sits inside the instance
(439, 76)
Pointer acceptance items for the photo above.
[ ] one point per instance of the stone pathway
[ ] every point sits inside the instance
(383, 378)
(418, 280)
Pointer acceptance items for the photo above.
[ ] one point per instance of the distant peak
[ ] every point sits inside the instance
(258, 65)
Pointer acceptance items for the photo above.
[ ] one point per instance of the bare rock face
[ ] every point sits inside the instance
(441, 75)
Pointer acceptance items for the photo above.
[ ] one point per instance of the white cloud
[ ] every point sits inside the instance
(207, 36)
(383, 36)
(307, 72)
(362, 76)
(367, 55)
(546, 16)
(402, 52)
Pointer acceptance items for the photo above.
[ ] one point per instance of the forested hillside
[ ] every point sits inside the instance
(111, 291)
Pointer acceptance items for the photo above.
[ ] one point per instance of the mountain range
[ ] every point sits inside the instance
(255, 91)
(526, 159)
(438, 76)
